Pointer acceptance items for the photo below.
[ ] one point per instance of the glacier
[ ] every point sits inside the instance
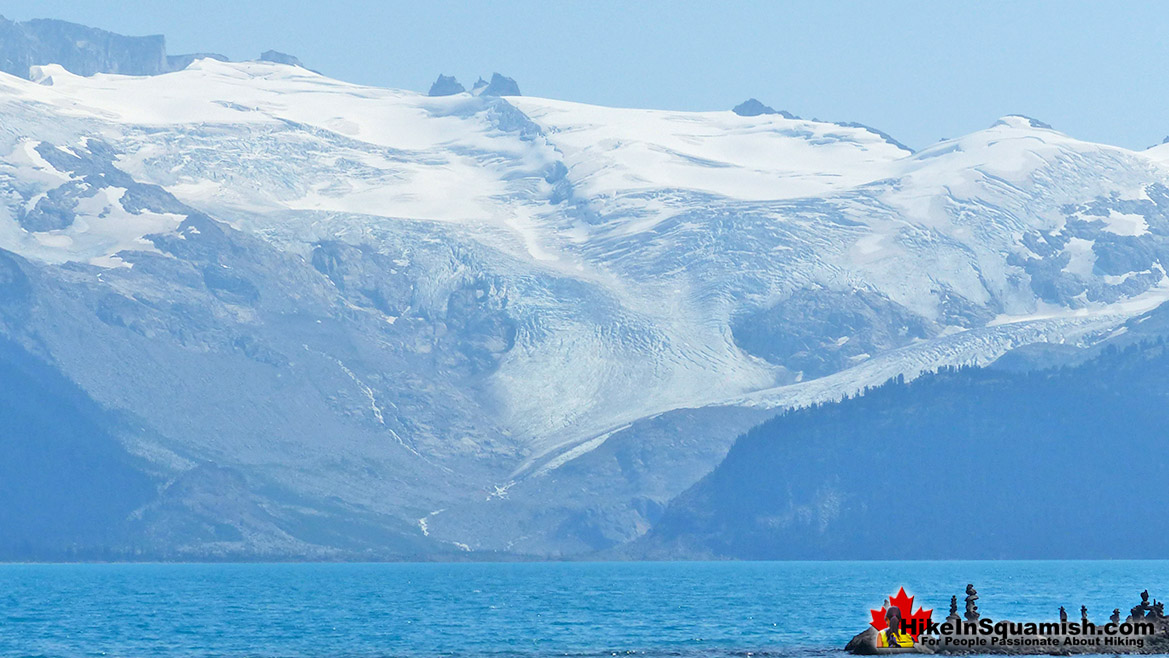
(340, 320)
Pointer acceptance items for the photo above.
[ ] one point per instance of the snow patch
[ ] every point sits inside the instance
(1125, 224)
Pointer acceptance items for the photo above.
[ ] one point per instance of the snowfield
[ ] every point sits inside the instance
(372, 306)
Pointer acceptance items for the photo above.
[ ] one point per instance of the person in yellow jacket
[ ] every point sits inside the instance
(893, 637)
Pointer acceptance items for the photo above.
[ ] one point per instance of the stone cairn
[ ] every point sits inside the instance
(1142, 610)
(971, 606)
(1145, 611)
(953, 616)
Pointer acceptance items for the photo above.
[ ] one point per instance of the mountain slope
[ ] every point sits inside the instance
(967, 463)
(65, 479)
(406, 314)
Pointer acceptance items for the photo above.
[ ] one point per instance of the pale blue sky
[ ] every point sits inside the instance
(918, 70)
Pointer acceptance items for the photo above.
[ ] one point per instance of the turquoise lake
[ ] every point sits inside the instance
(528, 609)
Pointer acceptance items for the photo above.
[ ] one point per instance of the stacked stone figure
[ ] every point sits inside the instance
(953, 616)
(1141, 610)
(971, 606)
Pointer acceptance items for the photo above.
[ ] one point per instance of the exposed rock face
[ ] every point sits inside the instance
(446, 85)
(803, 331)
(79, 49)
(753, 108)
(500, 85)
(278, 57)
(85, 50)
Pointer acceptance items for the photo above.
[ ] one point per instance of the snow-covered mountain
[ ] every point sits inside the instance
(343, 318)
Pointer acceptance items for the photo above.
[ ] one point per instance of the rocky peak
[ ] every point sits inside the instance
(500, 85)
(446, 85)
(278, 57)
(753, 108)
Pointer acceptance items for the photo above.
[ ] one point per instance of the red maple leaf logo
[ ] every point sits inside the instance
(904, 603)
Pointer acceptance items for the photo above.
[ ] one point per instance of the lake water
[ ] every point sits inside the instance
(505, 610)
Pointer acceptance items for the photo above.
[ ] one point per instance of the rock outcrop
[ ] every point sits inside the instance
(277, 57)
(446, 85)
(753, 108)
(86, 50)
(79, 49)
(500, 85)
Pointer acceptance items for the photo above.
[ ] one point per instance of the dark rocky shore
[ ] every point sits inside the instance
(1144, 631)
